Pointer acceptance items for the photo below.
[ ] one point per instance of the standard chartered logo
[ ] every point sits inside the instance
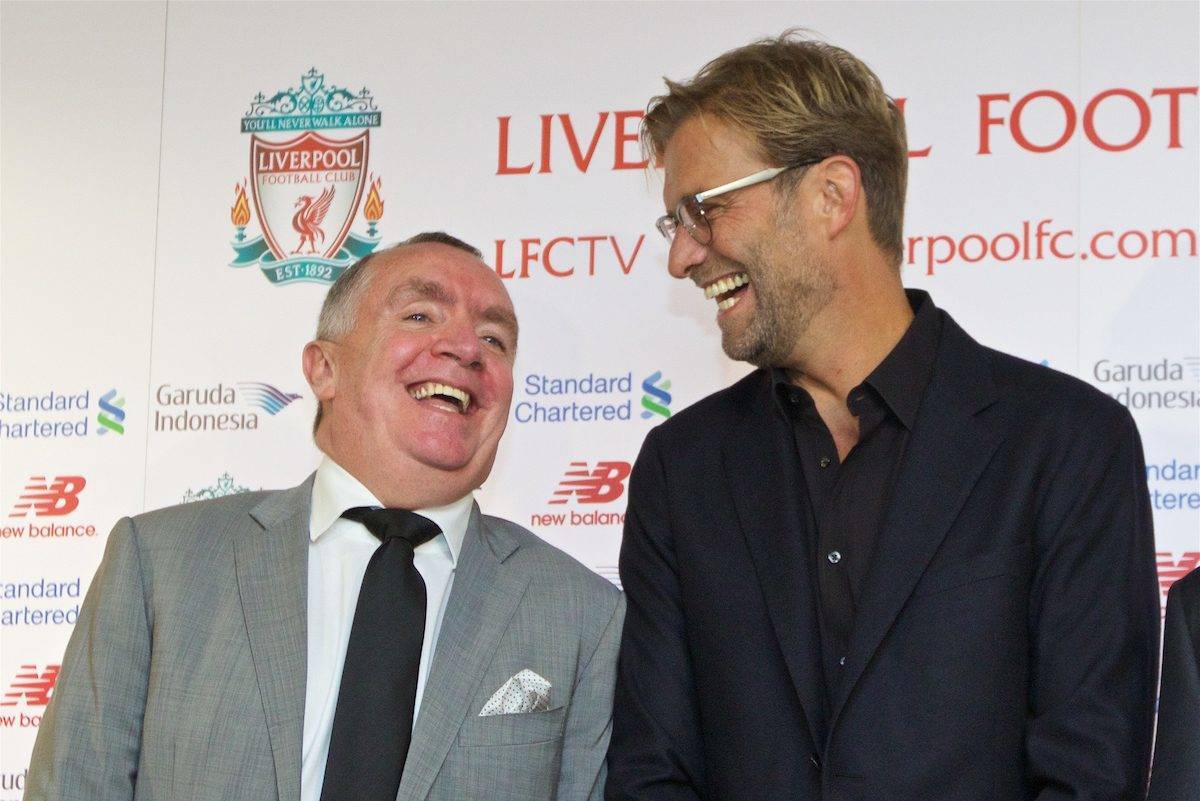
(656, 400)
(111, 416)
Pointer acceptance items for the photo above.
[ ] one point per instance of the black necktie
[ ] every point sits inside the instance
(372, 725)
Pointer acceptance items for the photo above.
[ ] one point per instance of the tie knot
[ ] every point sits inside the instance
(399, 523)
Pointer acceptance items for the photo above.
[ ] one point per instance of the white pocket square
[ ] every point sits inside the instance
(524, 692)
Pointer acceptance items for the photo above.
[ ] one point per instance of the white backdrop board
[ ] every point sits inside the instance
(152, 309)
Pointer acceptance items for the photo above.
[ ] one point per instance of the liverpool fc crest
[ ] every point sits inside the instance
(307, 187)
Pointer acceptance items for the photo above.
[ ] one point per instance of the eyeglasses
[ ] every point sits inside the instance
(690, 213)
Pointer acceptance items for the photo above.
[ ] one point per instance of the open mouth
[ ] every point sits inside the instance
(432, 391)
(727, 290)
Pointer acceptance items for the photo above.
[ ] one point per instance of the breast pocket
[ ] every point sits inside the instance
(1006, 561)
(515, 729)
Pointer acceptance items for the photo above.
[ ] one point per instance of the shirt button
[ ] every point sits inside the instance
(842, 661)
(834, 557)
(825, 462)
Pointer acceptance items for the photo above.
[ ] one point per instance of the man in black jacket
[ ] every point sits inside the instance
(889, 564)
(1176, 775)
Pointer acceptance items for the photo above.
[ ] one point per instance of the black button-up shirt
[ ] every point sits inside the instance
(847, 500)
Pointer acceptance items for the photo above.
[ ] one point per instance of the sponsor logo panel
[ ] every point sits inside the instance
(47, 496)
(591, 398)
(29, 691)
(1174, 485)
(54, 414)
(40, 601)
(234, 406)
(1168, 383)
(588, 485)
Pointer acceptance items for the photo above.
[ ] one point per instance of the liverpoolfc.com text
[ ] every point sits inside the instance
(1041, 241)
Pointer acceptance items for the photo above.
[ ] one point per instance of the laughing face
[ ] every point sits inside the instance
(420, 387)
(766, 279)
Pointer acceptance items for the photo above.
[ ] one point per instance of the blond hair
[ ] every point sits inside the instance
(801, 100)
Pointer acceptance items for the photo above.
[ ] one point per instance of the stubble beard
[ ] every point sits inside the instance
(789, 291)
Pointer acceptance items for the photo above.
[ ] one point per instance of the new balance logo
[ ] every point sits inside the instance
(31, 686)
(602, 484)
(49, 498)
(1171, 569)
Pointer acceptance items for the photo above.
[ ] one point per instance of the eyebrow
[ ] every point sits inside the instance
(432, 290)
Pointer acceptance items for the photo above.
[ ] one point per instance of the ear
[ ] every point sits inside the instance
(320, 368)
(838, 191)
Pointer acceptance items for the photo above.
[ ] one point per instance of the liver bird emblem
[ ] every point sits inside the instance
(307, 221)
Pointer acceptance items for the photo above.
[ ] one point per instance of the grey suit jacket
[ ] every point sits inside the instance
(185, 675)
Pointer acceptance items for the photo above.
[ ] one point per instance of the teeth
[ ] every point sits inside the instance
(725, 285)
(430, 388)
(728, 303)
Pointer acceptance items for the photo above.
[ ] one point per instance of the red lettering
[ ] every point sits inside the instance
(545, 165)
(1068, 129)
(592, 240)
(623, 137)
(627, 266)
(546, 257)
(1096, 246)
(582, 161)
(1089, 123)
(502, 166)
(1140, 237)
(528, 256)
(500, 261)
(986, 121)
(1054, 245)
(912, 154)
(995, 249)
(1173, 94)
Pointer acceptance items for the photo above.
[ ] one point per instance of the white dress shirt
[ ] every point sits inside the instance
(338, 552)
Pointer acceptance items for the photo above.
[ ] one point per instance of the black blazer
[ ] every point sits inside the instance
(1176, 774)
(1006, 640)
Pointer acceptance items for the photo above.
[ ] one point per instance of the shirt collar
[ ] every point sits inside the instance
(900, 378)
(335, 491)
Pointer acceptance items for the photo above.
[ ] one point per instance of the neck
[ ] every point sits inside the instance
(848, 339)
(408, 485)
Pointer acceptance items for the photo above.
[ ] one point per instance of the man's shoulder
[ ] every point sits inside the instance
(714, 412)
(1039, 391)
(554, 569)
(202, 512)
(1186, 595)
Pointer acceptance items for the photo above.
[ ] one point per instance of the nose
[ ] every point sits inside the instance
(685, 253)
(459, 341)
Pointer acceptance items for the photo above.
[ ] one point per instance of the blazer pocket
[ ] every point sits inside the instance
(998, 562)
(515, 729)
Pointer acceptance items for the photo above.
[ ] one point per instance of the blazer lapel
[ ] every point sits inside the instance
(757, 460)
(272, 576)
(484, 595)
(947, 452)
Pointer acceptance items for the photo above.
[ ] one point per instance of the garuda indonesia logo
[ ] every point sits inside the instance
(306, 187)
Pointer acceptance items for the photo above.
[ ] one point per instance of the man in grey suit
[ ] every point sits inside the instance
(228, 650)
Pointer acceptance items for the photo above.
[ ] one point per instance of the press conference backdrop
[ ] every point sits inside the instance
(164, 258)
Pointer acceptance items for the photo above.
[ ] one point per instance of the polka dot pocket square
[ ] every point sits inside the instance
(524, 692)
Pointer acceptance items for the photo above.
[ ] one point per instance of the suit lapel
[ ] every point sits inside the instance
(947, 452)
(272, 577)
(757, 460)
(485, 593)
